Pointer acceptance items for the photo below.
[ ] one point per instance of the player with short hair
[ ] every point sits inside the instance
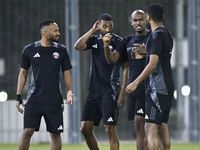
(105, 95)
(45, 58)
(129, 46)
(159, 81)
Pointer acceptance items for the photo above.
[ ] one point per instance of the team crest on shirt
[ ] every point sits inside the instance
(110, 47)
(56, 55)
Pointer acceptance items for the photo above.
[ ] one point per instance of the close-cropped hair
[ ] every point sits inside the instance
(45, 23)
(138, 11)
(105, 17)
(156, 12)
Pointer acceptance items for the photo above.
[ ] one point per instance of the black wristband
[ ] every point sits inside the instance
(19, 98)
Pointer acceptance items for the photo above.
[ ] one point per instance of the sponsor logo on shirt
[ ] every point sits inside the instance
(36, 55)
(56, 55)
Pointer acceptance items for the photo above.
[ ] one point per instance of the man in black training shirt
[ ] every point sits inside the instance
(45, 58)
(159, 85)
(129, 47)
(105, 95)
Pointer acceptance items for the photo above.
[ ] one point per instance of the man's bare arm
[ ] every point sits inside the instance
(68, 83)
(121, 98)
(81, 42)
(20, 85)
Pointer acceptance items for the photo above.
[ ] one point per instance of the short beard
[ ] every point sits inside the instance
(141, 32)
(53, 40)
(106, 33)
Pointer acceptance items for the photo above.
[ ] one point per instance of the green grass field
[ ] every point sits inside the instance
(102, 146)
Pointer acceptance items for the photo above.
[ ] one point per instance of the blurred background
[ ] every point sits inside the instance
(19, 26)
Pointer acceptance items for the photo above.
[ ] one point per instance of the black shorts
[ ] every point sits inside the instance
(100, 105)
(158, 108)
(53, 116)
(136, 103)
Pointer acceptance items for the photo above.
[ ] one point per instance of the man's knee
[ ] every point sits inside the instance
(86, 127)
(55, 136)
(151, 128)
(163, 129)
(110, 129)
(83, 130)
(139, 124)
(28, 132)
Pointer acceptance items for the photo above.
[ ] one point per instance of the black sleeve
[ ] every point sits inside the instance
(25, 62)
(157, 41)
(121, 48)
(90, 42)
(66, 64)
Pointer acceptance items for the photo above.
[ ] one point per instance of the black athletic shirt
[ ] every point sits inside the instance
(45, 64)
(136, 66)
(160, 43)
(104, 77)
